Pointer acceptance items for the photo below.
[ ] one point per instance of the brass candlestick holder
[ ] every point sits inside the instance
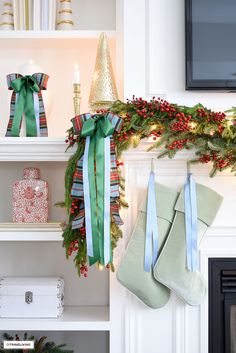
(77, 98)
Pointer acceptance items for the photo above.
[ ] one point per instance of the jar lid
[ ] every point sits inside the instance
(31, 173)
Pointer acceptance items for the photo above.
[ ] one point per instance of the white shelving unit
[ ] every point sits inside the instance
(30, 232)
(34, 149)
(80, 318)
(76, 34)
(19, 240)
(36, 250)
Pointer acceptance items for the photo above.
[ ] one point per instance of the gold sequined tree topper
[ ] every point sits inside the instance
(103, 89)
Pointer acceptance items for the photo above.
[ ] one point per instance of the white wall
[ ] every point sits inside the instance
(154, 64)
(155, 54)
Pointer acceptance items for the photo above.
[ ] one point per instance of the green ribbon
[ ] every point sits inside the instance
(98, 127)
(25, 87)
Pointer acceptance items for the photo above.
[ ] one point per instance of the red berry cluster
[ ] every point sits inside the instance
(182, 123)
(119, 164)
(73, 247)
(220, 128)
(178, 144)
(202, 113)
(216, 117)
(155, 134)
(147, 109)
(124, 136)
(84, 270)
(74, 206)
(222, 163)
(71, 139)
(205, 158)
(101, 111)
(82, 232)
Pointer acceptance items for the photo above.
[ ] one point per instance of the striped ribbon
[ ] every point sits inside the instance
(96, 183)
(39, 110)
(190, 203)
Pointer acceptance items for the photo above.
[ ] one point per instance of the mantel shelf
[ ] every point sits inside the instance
(74, 318)
(30, 232)
(76, 34)
(33, 149)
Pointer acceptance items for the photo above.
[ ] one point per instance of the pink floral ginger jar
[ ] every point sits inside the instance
(30, 198)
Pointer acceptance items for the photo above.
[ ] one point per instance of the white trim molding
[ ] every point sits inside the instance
(219, 242)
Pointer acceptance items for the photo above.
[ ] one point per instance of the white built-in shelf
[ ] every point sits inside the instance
(74, 318)
(30, 232)
(81, 34)
(33, 149)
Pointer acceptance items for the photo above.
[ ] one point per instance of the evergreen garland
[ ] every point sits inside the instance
(173, 127)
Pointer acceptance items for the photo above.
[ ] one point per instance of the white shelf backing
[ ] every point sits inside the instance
(30, 232)
(75, 318)
(33, 149)
(77, 34)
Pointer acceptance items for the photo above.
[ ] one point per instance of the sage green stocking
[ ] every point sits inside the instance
(131, 270)
(171, 269)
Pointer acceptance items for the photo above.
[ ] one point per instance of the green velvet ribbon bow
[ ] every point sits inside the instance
(25, 87)
(98, 128)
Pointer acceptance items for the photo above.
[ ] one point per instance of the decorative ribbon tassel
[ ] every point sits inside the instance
(96, 183)
(27, 101)
(190, 202)
(151, 243)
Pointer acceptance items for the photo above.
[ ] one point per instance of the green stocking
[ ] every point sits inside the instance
(171, 269)
(131, 271)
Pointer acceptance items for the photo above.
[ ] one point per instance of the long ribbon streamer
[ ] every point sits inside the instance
(190, 202)
(37, 113)
(25, 86)
(151, 242)
(107, 192)
(96, 176)
(89, 234)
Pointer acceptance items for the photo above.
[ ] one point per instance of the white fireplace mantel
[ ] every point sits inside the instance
(176, 328)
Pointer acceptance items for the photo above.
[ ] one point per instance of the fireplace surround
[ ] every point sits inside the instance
(222, 305)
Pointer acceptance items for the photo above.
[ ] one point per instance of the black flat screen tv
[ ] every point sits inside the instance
(210, 27)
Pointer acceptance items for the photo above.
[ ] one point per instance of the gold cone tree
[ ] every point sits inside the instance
(103, 89)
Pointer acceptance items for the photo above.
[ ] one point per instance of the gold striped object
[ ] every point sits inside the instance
(65, 21)
(67, 11)
(7, 13)
(7, 24)
(27, 15)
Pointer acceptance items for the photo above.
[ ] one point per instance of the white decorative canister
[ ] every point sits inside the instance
(30, 68)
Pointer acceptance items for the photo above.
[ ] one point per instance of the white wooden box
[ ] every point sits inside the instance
(31, 297)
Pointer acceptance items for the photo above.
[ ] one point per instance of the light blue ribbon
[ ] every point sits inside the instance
(107, 193)
(151, 243)
(190, 203)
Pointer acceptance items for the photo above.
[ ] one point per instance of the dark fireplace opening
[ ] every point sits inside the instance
(222, 305)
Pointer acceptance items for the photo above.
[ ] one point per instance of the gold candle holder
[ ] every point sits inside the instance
(77, 98)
